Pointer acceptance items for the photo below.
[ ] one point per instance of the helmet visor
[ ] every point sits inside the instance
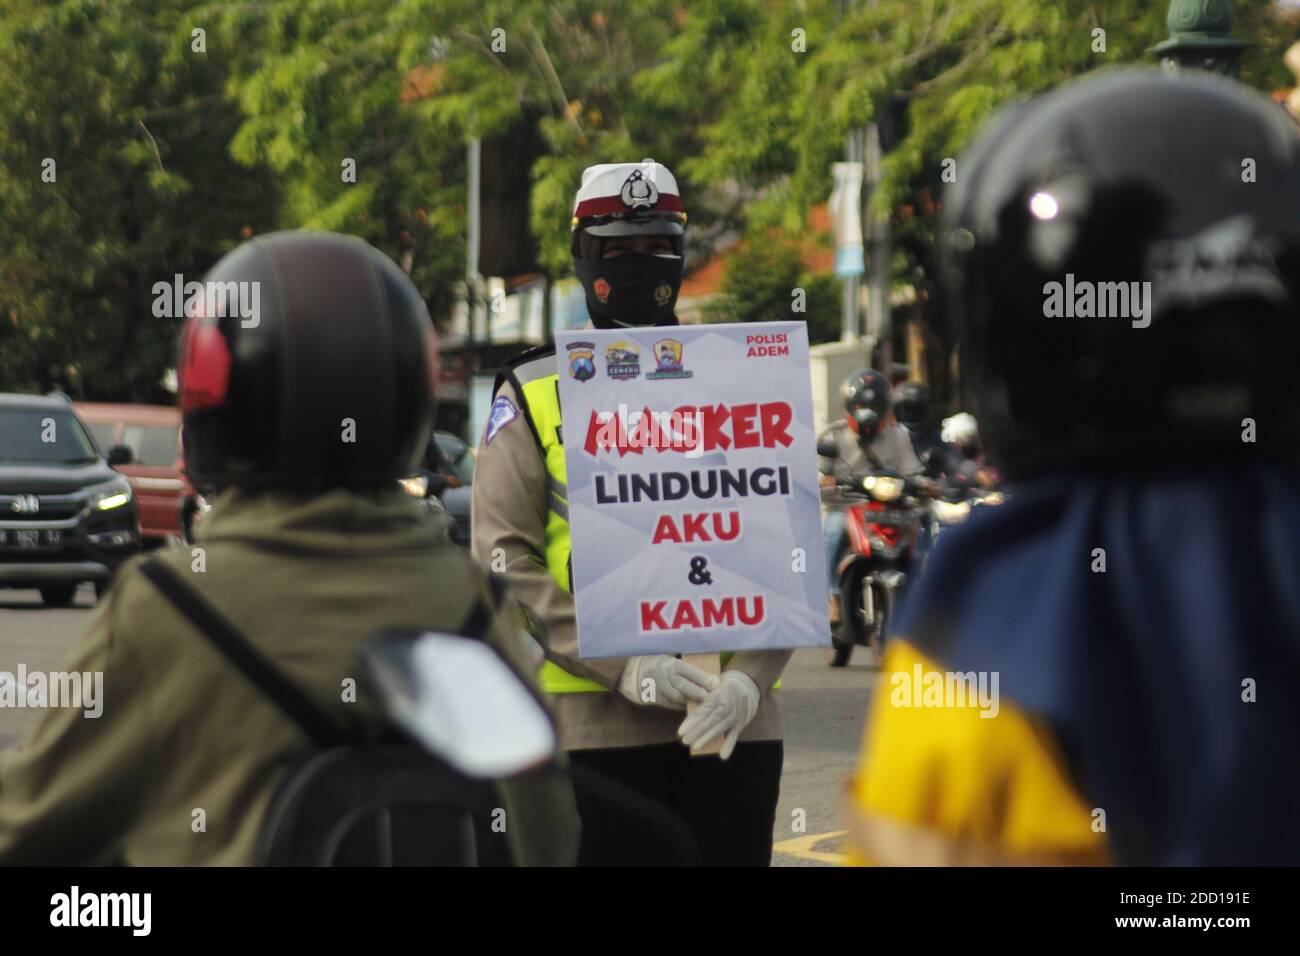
(656, 226)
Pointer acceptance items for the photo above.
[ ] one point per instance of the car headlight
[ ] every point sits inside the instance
(951, 512)
(417, 486)
(882, 488)
(111, 494)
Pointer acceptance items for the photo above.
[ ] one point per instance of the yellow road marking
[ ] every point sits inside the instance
(804, 848)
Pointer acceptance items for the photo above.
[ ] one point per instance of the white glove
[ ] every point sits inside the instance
(728, 710)
(671, 681)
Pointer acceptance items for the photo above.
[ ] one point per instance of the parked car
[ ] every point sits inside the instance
(152, 432)
(65, 515)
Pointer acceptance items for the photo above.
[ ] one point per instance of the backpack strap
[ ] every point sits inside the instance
(236, 648)
(264, 675)
(478, 621)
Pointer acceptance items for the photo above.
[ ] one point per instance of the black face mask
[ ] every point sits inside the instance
(868, 422)
(637, 289)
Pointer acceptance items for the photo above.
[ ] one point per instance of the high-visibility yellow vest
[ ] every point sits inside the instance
(537, 383)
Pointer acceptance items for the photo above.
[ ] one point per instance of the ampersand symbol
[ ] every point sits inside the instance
(698, 575)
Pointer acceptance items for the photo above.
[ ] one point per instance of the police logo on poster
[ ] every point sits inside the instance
(582, 360)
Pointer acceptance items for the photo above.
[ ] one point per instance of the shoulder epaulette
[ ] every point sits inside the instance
(518, 370)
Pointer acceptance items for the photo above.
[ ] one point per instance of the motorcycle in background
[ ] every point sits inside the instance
(427, 487)
(953, 505)
(884, 530)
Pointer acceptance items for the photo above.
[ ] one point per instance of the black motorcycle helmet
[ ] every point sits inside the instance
(620, 201)
(1191, 184)
(329, 384)
(866, 402)
(912, 405)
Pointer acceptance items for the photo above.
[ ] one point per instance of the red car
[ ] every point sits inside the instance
(153, 433)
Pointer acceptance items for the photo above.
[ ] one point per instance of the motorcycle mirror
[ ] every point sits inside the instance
(460, 701)
(828, 449)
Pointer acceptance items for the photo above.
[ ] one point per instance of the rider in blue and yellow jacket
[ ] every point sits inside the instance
(1104, 668)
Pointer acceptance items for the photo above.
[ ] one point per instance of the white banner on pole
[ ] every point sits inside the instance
(692, 489)
(846, 215)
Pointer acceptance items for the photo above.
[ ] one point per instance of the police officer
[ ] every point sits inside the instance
(303, 417)
(1137, 597)
(628, 234)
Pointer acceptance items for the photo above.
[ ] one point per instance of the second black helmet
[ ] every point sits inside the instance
(912, 404)
(867, 398)
(1123, 270)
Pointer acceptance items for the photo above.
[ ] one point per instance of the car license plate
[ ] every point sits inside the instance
(31, 539)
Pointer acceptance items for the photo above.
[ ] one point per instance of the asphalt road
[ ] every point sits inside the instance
(824, 714)
(824, 709)
(39, 637)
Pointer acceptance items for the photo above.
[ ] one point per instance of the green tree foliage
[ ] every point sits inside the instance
(136, 126)
(332, 96)
(767, 282)
(605, 82)
(167, 156)
(934, 70)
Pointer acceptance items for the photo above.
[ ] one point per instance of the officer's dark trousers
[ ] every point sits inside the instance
(728, 806)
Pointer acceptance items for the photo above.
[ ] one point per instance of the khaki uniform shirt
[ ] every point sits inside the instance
(306, 580)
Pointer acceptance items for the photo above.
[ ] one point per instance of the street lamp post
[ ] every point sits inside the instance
(1200, 38)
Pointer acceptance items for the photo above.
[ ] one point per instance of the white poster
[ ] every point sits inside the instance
(692, 489)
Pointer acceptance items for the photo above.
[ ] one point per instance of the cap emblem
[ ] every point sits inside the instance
(639, 192)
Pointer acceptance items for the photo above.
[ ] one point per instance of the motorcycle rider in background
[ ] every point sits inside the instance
(1131, 615)
(915, 412)
(961, 453)
(867, 437)
(951, 453)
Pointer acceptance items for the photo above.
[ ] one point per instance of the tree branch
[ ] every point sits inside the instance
(961, 66)
(925, 49)
(154, 143)
(463, 34)
(553, 78)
